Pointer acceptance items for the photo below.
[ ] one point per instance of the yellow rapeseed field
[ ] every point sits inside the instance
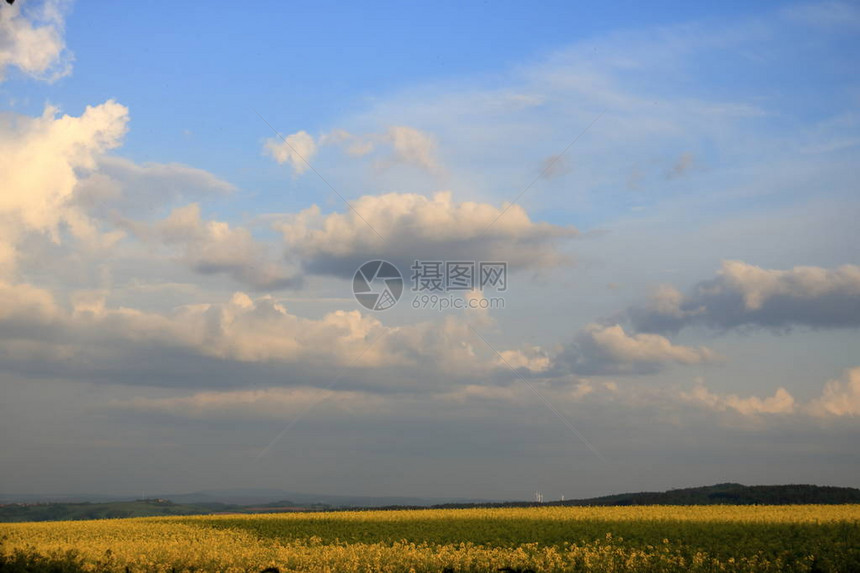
(655, 538)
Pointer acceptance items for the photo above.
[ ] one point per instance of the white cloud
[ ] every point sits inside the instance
(241, 330)
(297, 149)
(532, 358)
(415, 227)
(31, 39)
(355, 145)
(643, 347)
(41, 160)
(840, 397)
(412, 147)
(407, 145)
(601, 349)
(780, 403)
(757, 285)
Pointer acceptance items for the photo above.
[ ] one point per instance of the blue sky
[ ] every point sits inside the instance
(684, 279)
(194, 77)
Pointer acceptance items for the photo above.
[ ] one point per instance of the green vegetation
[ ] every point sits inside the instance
(110, 510)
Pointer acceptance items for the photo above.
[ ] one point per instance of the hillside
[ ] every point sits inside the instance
(720, 494)
(732, 493)
(17, 512)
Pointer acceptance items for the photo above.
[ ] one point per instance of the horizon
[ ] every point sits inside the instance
(447, 251)
(251, 496)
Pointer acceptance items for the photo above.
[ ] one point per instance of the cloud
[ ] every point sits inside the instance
(601, 350)
(780, 403)
(267, 403)
(215, 247)
(411, 146)
(68, 206)
(745, 295)
(31, 40)
(255, 340)
(41, 160)
(252, 330)
(492, 394)
(284, 404)
(532, 358)
(406, 145)
(840, 397)
(228, 343)
(297, 149)
(415, 227)
(26, 306)
(119, 186)
(355, 145)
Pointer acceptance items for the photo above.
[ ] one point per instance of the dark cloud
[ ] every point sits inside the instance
(745, 295)
(120, 186)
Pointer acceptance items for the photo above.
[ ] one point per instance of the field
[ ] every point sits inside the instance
(655, 538)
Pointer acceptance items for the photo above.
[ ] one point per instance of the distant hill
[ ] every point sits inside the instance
(266, 496)
(724, 493)
(245, 496)
(106, 510)
(732, 493)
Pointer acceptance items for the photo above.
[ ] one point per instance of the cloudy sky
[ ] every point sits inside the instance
(187, 191)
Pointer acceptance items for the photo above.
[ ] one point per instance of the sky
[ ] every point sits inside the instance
(188, 192)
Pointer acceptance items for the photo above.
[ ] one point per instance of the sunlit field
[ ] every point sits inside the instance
(654, 538)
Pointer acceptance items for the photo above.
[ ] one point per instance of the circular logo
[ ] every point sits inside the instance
(377, 285)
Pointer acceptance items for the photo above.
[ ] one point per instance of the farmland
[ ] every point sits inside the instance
(654, 538)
